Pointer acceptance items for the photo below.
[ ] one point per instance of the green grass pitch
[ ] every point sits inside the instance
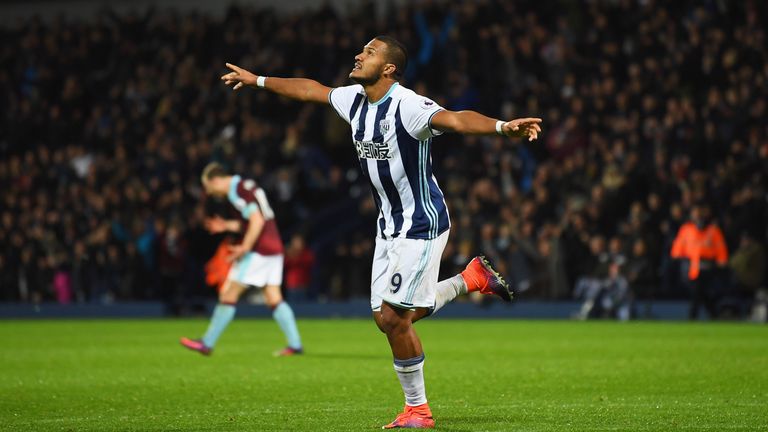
(100, 375)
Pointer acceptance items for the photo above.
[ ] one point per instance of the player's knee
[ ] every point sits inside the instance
(228, 297)
(377, 320)
(272, 296)
(391, 322)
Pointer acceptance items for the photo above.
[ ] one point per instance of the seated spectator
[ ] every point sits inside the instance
(609, 297)
(747, 267)
(641, 275)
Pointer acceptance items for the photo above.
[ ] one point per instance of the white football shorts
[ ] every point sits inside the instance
(405, 272)
(257, 270)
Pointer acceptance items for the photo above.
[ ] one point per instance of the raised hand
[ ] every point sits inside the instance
(522, 127)
(239, 77)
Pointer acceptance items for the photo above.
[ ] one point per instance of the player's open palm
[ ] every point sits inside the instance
(522, 128)
(239, 77)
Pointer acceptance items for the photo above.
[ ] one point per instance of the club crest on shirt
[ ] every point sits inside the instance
(384, 126)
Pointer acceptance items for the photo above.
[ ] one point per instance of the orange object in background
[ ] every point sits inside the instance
(697, 244)
(217, 268)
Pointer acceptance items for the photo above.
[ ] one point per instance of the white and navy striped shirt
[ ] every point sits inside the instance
(393, 138)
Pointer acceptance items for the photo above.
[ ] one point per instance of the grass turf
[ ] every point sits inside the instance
(481, 376)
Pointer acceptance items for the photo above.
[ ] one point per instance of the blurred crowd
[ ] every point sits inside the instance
(651, 109)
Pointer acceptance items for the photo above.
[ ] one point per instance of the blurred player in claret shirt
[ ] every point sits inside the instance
(392, 131)
(257, 260)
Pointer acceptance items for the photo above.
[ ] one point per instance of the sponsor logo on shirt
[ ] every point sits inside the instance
(372, 150)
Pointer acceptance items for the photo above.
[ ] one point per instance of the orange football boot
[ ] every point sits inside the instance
(480, 276)
(288, 351)
(413, 417)
(196, 345)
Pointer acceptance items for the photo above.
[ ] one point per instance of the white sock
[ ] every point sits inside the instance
(448, 290)
(410, 372)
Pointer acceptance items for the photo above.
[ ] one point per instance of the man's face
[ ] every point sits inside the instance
(696, 214)
(370, 63)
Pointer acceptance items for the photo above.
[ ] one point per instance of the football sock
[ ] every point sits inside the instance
(222, 316)
(283, 314)
(410, 372)
(448, 290)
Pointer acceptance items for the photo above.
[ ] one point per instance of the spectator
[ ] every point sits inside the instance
(609, 297)
(299, 260)
(641, 275)
(8, 282)
(747, 267)
(171, 256)
(701, 245)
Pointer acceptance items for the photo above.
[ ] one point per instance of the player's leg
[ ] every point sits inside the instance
(409, 366)
(479, 275)
(223, 314)
(283, 315)
(382, 276)
(708, 287)
(267, 271)
(397, 324)
(696, 299)
(417, 315)
(379, 279)
(403, 290)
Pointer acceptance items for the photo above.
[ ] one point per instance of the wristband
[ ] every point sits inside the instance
(260, 81)
(499, 124)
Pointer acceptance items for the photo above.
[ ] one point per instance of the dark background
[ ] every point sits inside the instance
(107, 119)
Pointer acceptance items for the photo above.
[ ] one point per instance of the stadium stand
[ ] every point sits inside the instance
(649, 108)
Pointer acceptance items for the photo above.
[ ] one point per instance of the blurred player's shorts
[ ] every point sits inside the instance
(257, 270)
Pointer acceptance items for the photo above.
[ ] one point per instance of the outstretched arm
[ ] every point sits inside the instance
(474, 123)
(302, 89)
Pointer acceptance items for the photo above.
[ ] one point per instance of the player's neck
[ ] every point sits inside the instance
(376, 91)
